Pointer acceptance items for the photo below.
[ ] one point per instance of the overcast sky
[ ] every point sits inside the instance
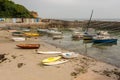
(73, 8)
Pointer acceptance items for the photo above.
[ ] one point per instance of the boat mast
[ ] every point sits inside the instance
(89, 21)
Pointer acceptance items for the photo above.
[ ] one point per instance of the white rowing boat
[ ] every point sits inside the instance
(49, 52)
(69, 55)
(18, 39)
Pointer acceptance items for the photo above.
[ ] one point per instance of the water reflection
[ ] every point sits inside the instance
(86, 45)
(87, 41)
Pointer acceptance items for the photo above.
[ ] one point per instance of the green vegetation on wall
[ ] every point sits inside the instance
(8, 9)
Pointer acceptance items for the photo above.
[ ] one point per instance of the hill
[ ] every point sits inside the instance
(8, 9)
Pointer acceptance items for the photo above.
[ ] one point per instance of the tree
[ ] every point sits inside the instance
(8, 9)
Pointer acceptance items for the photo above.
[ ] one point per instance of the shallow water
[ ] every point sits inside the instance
(109, 53)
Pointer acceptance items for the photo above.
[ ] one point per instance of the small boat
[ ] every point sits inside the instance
(87, 36)
(77, 35)
(103, 33)
(49, 52)
(29, 46)
(69, 55)
(17, 33)
(104, 40)
(42, 31)
(54, 32)
(31, 34)
(56, 62)
(57, 36)
(18, 39)
(51, 59)
(26, 30)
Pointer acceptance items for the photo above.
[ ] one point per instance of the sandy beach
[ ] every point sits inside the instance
(25, 64)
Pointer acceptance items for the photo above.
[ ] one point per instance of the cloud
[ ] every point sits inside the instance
(60, 2)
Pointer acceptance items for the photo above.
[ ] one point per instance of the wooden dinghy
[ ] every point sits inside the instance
(61, 61)
(29, 46)
(51, 59)
(49, 52)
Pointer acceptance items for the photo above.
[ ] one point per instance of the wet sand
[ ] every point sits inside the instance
(25, 64)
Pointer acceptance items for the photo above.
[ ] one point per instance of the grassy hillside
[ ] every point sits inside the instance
(8, 9)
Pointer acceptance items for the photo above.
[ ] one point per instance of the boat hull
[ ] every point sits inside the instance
(87, 37)
(51, 59)
(20, 34)
(28, 46)
(57, 37)
(61, 61)
(18, 39)
(105, 41)
(31, 34)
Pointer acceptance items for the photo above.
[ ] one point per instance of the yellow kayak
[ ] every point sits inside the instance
(31, 34)
(60, 61)
(51, 59)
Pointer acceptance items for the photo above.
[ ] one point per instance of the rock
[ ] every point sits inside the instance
(13, 56)
(19, 65)
(2, 56)
(73, 74)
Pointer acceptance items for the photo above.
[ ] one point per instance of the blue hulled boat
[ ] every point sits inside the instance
(105, 40)
(104, 37)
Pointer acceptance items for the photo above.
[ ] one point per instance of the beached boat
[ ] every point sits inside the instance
(49, 52)
(61, 61)
(51, 59)
(29, 34)
(18, 39)
(17, 33)
(87, 36)
(104, 39)
(103, 33)
(77, 35)
(57, 36)
(26, 30)
(42, 31)
(29, 46)
(54, 32)
(69, 55)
